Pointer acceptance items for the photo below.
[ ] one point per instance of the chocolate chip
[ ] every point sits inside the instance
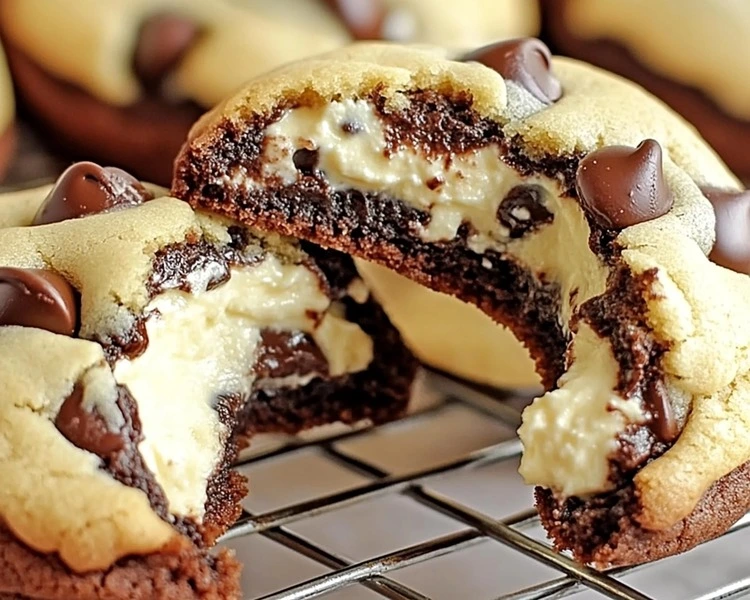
(306, 161)
(37, 298)
(522, 210)
(363, 18)
(162, 43)
(352, 127)
(86, 429)
(663, 422)
(284, 353)
(620, 186)
(435, 182)
(86, 188)
(526, 61)
(732, 247)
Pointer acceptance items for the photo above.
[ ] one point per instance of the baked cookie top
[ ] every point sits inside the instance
(130, 330)
(112, 48)
(594, 188)
(677, 40)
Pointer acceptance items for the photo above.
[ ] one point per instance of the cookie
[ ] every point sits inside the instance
(122, 81)
(567, 204)
(686, 53)
(142, 343)
(7, 116)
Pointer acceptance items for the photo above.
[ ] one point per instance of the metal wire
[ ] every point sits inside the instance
(373, 573)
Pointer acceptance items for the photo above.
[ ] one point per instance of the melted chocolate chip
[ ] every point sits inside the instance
(663, 423)
(732, 247)
(284, 353)
(37, 298)
(87, 429)
(522, 210)
(620, 186)
(189, 267)
(525, 61)
(363, 18)
(305, 161)
(86, 188)
(163, 41)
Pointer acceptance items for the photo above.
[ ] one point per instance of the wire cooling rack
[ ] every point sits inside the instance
(518, 532)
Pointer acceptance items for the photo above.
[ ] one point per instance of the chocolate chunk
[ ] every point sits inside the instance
(164, 39)
(86, 429)
(284, 353)
(732, 247)
(526, 61)
(363, 18)
(620, 186)
(86, 188)
(663, 423)
(522, 210)
(305, 161)
(37, 298)
(189, 267)
(352, 127)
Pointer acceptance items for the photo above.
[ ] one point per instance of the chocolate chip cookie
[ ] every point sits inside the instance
(142, 343)
(563, 201)
(690, 54)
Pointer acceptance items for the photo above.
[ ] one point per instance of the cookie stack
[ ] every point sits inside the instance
(146, 334)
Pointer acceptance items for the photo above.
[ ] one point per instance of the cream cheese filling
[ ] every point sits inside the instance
(570, 433)
(472, 186)
(206, 341)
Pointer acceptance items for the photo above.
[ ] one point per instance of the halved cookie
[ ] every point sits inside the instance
(564, 202)
(142, 342)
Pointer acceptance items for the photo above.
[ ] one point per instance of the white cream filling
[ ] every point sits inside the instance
(206, 341)
(570, 433)
(472, 186)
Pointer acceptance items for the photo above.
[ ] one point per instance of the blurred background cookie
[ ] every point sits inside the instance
(121, 81)
(7, 114)
(689, 53)
(450, 335)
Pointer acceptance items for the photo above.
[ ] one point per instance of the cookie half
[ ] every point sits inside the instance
(564, 202)
(142, 343)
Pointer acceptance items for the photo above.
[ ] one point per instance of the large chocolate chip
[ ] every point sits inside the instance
(86, 429)
(732, 247)
(525, 61)
(86, 188)
(620, 186)
(522, 210)
(284, 353)
(37, 298)
(363, 18)
(305, 161)
(162, 43)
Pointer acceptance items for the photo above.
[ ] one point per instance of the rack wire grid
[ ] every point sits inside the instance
(525, 568)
